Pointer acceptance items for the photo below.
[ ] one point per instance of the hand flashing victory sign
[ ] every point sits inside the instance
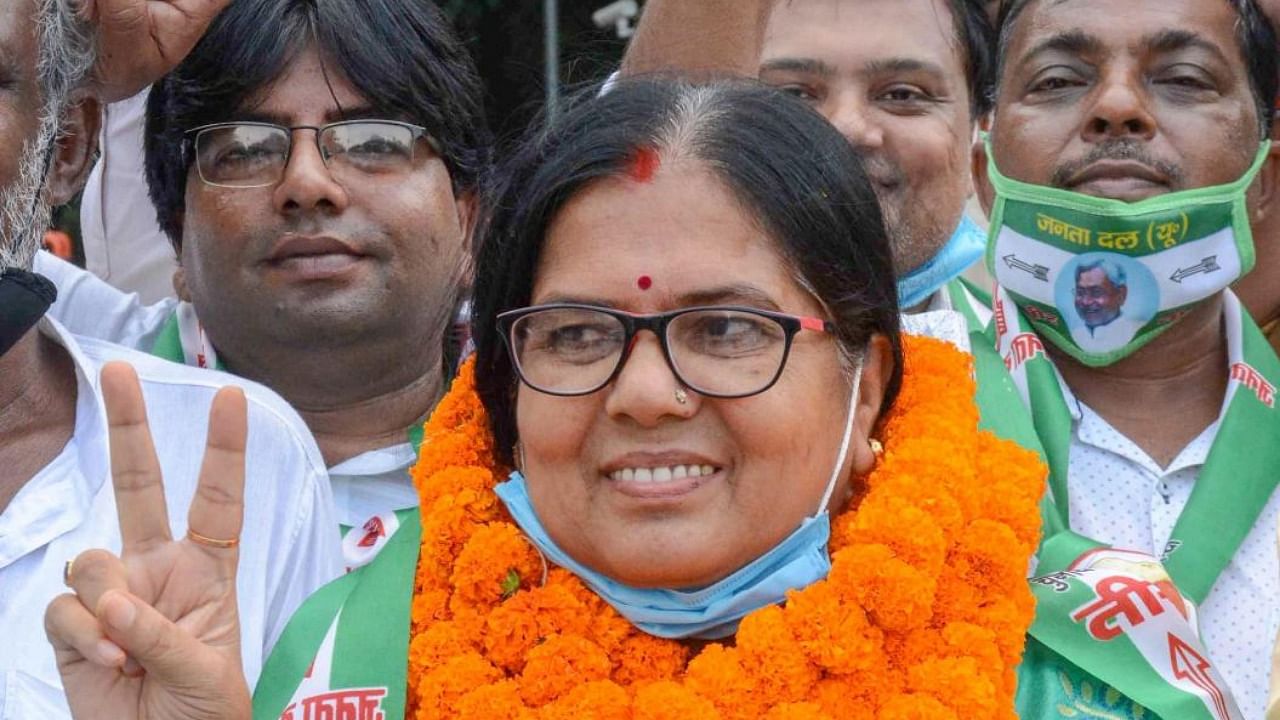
(141, 40)
(155, 633)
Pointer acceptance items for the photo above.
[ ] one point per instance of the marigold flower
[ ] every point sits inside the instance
(922, 616)
(559, 665)
(798, 711)
(598, 699)
(672, 701)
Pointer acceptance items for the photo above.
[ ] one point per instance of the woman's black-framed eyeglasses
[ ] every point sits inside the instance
(255, 154)
(719, 351)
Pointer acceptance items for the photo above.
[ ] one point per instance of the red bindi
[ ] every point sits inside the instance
(644, 282)
(644, 165)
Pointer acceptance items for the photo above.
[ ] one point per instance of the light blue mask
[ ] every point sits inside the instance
(712, 612)
(965, 248)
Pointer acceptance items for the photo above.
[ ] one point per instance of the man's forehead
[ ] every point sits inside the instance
(309, 89)
(17, 32)
(856, 34)
(1103, 25)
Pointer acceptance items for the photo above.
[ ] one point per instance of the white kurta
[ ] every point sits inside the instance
(288, 546)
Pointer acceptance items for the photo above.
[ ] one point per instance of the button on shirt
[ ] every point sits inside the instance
(1120, 496)
(288, 547)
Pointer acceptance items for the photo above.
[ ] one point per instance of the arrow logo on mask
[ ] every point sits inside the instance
(1039, 272)
(1206, 266)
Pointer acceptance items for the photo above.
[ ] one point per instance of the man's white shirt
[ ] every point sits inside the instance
(942, 321)
(122, 242)
(373, 483)
(1119, 496)
(1105, 338)
(288, 547)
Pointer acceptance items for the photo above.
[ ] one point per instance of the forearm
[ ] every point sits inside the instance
(699, 37)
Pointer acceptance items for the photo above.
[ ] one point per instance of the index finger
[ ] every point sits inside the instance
(217, 510)
(135, 471)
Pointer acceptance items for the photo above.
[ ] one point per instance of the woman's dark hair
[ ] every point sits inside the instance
(402, 56)
(784, 163)
(1254, 33)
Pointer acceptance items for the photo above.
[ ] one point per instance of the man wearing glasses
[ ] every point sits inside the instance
(319, 196)
(315, 166)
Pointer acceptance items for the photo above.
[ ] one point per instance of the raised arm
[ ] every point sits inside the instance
(699, 37)
(154, 632)
(139, 41)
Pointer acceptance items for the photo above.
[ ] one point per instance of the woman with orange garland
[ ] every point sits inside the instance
(693, 471)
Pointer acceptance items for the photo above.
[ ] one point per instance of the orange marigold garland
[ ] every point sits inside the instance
(922, 615)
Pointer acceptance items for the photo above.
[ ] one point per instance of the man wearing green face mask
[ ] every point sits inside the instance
(1125, 166)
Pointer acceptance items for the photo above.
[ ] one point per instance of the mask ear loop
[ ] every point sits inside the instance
(844, 442)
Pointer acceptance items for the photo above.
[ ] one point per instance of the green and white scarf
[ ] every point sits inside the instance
(1128, 620)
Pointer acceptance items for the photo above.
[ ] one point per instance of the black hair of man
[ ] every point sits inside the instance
(1254, 33)
(790, 168)
(402, 56)
(977, 37)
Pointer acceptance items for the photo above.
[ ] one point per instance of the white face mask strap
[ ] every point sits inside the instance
(844, 442)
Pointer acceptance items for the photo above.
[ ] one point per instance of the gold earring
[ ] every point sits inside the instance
(877, 448)
(682, 397)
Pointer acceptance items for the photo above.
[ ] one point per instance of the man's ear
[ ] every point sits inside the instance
(1266, 188)
(468, 218)
(981, 180)
(75, 150)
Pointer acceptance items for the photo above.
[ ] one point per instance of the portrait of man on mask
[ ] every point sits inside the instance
(1105, 315)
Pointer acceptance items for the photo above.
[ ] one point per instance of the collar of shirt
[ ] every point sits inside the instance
(55, 502)
(373, 483)
(1091, 429)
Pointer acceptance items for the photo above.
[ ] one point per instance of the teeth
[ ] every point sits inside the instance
(662, 474)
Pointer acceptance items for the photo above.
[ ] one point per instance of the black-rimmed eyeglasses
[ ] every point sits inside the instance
(254, 154)
(718, 351)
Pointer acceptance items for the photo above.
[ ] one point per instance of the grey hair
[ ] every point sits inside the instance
(1110, 268)
(65, 55)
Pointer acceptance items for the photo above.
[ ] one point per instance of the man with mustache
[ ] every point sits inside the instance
(319, 194)
(906, 81)
(1260, 290)
(1136, 133)
(60, 477)
(316, 167)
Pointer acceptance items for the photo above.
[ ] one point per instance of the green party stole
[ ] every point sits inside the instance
(1116, 632)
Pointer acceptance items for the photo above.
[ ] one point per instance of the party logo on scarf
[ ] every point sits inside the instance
(1134, 597)
(1252, 380)
(352, 704)
(362, 544)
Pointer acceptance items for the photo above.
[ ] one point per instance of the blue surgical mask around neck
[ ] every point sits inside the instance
(965, 248)
(712, 612)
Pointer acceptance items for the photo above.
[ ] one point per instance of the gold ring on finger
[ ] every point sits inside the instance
(66, 573)
(207, 541)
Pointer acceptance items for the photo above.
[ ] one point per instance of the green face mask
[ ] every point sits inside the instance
(1101, 278)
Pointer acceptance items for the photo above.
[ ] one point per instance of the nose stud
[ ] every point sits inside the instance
(682, 397)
